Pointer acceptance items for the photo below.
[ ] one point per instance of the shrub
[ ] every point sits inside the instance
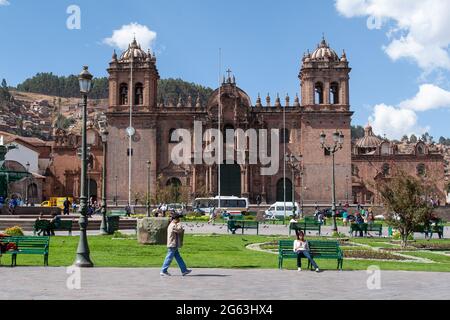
(14, 232)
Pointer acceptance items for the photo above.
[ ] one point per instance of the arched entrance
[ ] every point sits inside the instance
(230, 180)
(174, 189)
(32, 193)
(280, 190)
(92, 190)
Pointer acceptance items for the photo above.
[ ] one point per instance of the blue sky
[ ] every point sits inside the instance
(262, 42)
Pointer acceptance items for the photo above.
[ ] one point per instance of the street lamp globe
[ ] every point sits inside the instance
(336, 136)
(341, 138)
(85, 80)
(323, 136)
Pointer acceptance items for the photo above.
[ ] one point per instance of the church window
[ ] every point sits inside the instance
(285, 136)
(171, 138)
(334, 93)
(318, 93)
(386, 169)
(123, 94)
(139, 94)
(421, 170)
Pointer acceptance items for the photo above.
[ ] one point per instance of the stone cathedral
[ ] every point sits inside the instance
(322, 104)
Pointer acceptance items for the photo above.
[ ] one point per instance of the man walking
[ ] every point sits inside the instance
(175, 233)
(67, 207)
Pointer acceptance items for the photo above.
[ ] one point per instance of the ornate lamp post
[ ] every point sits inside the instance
(103, 125)
(293, 162)
(26, 184)
(148, 187)
(116, 178)
(82, 259)
(338, 140)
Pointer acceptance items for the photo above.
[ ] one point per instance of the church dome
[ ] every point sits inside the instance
(370, 141)
(134, 50)
(230, 90)
(324, 52)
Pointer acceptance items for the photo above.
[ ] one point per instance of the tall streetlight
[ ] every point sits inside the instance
(293, 162)
(116, 178)
(26, 183)
(82, 259)
(103, 126)
(148, 187)
(338, 140)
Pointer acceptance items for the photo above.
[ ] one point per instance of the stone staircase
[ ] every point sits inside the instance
(94, 224)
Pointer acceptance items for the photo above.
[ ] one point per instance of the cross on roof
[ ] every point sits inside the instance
(229, 72)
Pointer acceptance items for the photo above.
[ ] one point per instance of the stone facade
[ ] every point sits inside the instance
(375, 160)
(324, 107)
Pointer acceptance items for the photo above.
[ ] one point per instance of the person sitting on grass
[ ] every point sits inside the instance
(301, 248)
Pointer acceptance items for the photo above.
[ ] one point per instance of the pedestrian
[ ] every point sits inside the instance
(258, 200)
(212, 215)
(66, 206)
(55, 223)
(128, 209)
(175, 233)
(301, 248)
(345, 217)
(74, 207)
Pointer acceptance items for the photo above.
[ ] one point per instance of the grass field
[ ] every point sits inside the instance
(225, 251)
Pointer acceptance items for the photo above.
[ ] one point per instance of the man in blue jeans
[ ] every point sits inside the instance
(175, 234)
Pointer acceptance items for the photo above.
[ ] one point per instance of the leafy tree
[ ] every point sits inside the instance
(413, 139)
(357, 132)
(405, 138)
(426, 137)
(5, 95)
(405, 199)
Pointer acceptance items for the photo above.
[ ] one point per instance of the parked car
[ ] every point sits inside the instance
(277, 210)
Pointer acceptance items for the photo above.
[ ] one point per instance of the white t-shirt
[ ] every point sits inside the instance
(300, 246)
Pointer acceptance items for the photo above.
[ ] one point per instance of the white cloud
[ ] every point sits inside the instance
(429, 97)
(4, 3)
(395, 122)
(122, 37)
(420, 30)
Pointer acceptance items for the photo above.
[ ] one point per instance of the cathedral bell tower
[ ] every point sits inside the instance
(133, 80)
(325, 78)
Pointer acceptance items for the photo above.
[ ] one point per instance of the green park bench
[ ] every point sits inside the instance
(28, 245)
(44, 226)
(233, 225)
(365, 228)
(306, 225)
(430, 230)
(117, 213)
(318, 250)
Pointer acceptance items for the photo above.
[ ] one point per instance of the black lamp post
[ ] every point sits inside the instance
(82, 259)
(294, 163)
(103, 126)
(148, 187)
(338, 140)
(26, 184)
(116, 178)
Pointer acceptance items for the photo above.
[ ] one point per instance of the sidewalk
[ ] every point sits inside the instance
(218, 284)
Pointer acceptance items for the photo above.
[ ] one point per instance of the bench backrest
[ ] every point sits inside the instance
(117, 213)
(31, 243)
(41, 224)
(65, 224)
(324, 247)
(285, 245)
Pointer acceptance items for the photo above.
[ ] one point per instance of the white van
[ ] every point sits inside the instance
(277, 210)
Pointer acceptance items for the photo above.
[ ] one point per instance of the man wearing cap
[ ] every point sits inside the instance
(175, 233)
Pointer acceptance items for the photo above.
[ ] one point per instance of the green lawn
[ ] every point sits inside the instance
(212, 251)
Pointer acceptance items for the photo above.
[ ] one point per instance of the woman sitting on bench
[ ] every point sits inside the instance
(302, 250)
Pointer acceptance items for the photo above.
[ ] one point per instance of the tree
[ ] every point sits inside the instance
(357, 132)
(427, 138)
(413, 139)
(406, 200)
(405, 138)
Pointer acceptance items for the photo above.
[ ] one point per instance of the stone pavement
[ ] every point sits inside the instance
(218, 284)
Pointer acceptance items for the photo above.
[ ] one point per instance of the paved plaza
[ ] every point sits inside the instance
(219, 284)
